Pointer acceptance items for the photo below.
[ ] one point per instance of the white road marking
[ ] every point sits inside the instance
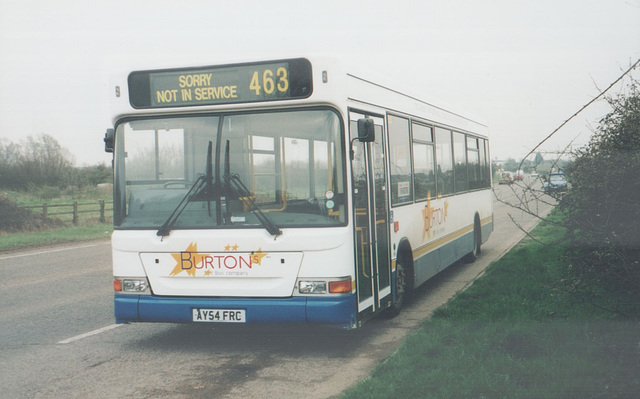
(48, 251)
(90, 333)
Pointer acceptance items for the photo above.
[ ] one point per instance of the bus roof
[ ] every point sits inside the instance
(273, 83)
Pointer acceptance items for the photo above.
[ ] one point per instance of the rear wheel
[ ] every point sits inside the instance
(477, 243)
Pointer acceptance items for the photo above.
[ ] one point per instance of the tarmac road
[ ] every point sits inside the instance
(58, 340)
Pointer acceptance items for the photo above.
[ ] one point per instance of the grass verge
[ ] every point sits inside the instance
(21, 228)
(16, 241)
(517, 332)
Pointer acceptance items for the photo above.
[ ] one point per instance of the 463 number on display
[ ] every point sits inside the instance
(269, 81)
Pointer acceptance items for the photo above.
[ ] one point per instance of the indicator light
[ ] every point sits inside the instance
(340, 287)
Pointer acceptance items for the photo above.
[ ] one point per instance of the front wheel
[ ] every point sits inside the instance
(400, 289)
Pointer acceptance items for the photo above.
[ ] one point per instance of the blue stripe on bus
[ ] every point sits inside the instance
(338, 312)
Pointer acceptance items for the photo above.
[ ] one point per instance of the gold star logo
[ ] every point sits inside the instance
(427, 214)
(186, 261)
(256, 257)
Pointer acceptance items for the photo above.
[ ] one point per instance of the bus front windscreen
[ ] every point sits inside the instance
(272, 170)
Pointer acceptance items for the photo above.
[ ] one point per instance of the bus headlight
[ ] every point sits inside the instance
(342, 285)
(135, 286)
(312, 287)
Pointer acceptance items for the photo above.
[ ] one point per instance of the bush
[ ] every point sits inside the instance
(38, 161)
(42, 162)
(603, 201)
(17, 219)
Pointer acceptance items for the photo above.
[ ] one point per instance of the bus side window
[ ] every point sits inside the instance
(444, 160)
(400, 159)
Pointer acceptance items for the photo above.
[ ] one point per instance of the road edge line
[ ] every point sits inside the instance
(89, 334)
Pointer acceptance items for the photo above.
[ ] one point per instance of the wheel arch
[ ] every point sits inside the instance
(477, 227)
(477, 240)
(405, 255)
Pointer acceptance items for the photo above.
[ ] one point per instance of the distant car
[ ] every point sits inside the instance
(505, 178)
(556, 182)
(519, 175)
(534, 175)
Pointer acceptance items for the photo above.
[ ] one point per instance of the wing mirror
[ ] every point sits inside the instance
(366, 133)
(108, 140)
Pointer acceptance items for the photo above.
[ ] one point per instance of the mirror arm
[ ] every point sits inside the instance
(351, 152)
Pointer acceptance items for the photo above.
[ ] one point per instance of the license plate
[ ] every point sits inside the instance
(219, 315)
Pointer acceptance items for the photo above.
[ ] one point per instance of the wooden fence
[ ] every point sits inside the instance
(75, 209)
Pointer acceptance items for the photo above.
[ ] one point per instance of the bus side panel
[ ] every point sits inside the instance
(464, 244)
(440, 258)
(440, 231)
(426, 267)
(487, 228)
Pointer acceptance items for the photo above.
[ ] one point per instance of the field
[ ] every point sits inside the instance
(520, 331)
(31, 229)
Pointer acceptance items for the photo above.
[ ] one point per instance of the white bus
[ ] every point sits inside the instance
(286, 191)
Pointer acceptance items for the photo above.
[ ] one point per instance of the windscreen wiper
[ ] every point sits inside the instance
(202, 183)
(233, 179)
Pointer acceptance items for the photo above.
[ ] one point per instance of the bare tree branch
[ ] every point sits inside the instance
(580, 110)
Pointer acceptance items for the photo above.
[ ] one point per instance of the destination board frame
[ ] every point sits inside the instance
(276, 80)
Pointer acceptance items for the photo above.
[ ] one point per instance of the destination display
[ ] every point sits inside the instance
(226, 84)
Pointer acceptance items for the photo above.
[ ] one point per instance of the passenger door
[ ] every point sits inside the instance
(371, 218)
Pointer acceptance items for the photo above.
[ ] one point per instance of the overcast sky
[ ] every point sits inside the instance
(523, 67)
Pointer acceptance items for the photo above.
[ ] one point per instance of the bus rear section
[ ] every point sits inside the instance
(235, 217)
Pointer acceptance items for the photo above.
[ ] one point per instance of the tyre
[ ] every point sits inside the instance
(477, 243)
(400, 289)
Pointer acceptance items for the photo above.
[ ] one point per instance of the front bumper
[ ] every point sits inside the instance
(339, 312)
